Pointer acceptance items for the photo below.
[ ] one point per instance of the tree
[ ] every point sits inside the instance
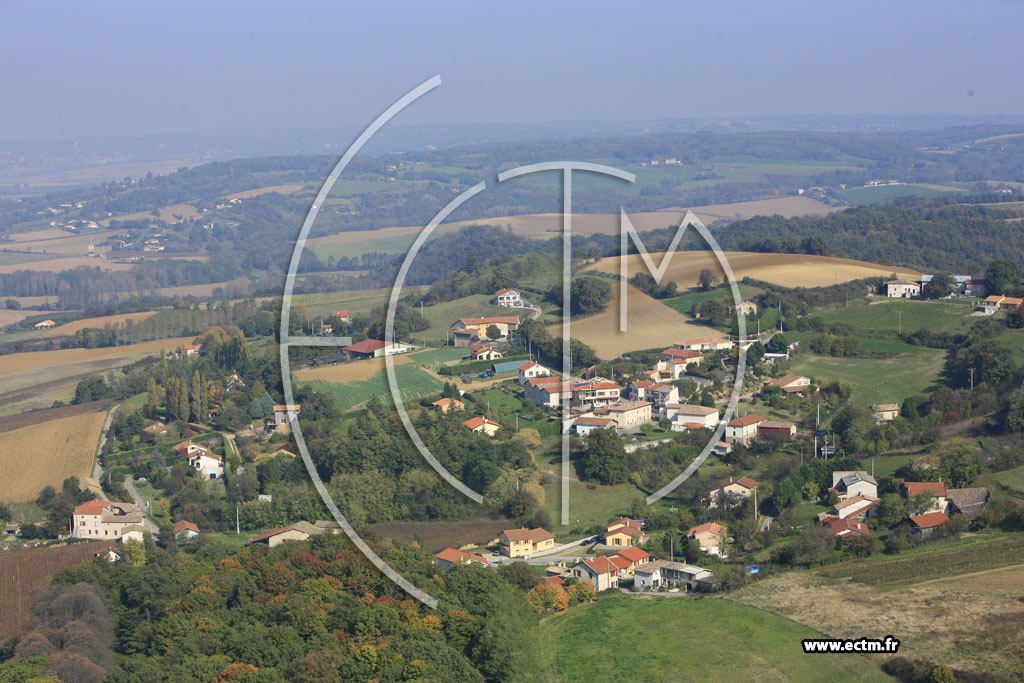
(91, 389)
(134, 552)
(152, 399)
(1001, 276)
(778, 343)
(941, 285)
(12, 304)
(493, 332)
(583, 591)
(519, 574)
(198, 398)
(545, 597)
(892, 509)
(589, 295)
(959, 466)
(604, 458)
(705, 279)
(1013, 414)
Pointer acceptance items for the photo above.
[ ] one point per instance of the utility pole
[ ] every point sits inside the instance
(899, 328)
(972, 378)
(517, 425)
(755, 504)
(238, 529)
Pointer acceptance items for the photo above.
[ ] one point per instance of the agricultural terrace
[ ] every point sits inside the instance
(45, 454)
(683, 639)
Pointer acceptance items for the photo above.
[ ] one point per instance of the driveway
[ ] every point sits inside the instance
(129, 486)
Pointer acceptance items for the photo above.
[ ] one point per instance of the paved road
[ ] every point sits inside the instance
(97, 469)
(129, 486)
(560, 548)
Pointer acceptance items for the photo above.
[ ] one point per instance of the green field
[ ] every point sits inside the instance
(441, 316)
(413, 383)
(1009, 483)
(683, 639)
(684, 302)
(353, 301)
(877, 380)
(933, 315)
(882, 193)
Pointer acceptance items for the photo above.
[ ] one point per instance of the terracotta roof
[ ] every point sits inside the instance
(745, 482)
(340, 314)
(835, 526)
(458, 557)
(620, 562)
(527, 365)
(289, 407)
(367, 346)
(593, 421)
(775, 424)
(604, 385)
(746, 420)
(541, 381)
(785, 380)
(707, 526)
(558, 580)
(92, 507)
(633, 554)
(623, 407)
(304, 527)
(693, 425)
(525, 534)
(181, 525)
(929, 520)
(505, 291)
(642, 384)
(934, 488)
(442, 402)
(506, 319)
(601, 565)
(703, 340)
(624, 521)
(627, 530)
(478, 421)
(680, 353)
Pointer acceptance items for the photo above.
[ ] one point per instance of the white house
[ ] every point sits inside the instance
(704, 344)
(207, 463)
(104, 519)
(184, 531)
(743, 429)
(902, 289)
(683, 415)
(631, 414)
(507, 297)
(662, 394)
(482, 425)
(546, 392)
(531, 369)
(283, 413)
(585, 425)
(791, 384)
(849, 483)
(736, 489)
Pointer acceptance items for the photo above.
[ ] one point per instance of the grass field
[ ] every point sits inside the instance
(413, 382)
(287, 188)
(441, 316)
(355, 301)
(877, 380)
(45, 454)
(882, 193)
(650, 324)
(682, 639)
(788, 270)
(115, 320)
(937, 316)
(173, 213)
(55, 265)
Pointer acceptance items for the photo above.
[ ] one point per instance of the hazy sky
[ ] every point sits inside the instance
(100, 68)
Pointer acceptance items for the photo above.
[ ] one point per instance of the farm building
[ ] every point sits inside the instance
(44, 324)
(743, 429)
(299, 531)
(465, 331)
(927, 524)
(449, 557)
(735, 490)
(1003, 303)
(585, 425)
(791, 384)
(902, 289)
(375, 348)
(482, 425)
(104, 519)
(854, 507)
(844, 526)
(969, 502)
(506, 366)
(522, 542)
(507, 297)
(776, 429)
(885, 412)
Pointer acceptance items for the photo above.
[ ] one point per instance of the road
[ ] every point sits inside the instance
(129, 486)
(97, 469)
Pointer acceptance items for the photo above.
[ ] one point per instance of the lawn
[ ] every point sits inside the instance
(682, 639)
(441, 316)
(877, 380)
(933, 315)
(413, 383)
(684, 302)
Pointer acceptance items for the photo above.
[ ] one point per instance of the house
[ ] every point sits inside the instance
(595, 393)
(668, 574)
(449, 557)
(969, 502)
(600, 571)
(747, 308)
(531, 369)
(685, 413)
(481, 425)
(637, 390)
(776, 429)
(743, 429)
(634, 557)
(1002, 303)
(680, 356)
(791, 384)
(109, 552)
(284, 414)
(44, 324)
(12, 529)
(732, 490)
(624, 532)
(329, 527)
(554, 579)
(704, 344)
(207, 463)
(585, 425)
(855, 507)
(547, 392)
(850, 483)
(234, 382)
(902, 289)
(927, 524)
(104, 519)
(708, 536)
(464, 330)
(300, 531)
(188, 349)
(631, 414)
(523, 542)
(446, 404)
(673, 364)
(935, 489)
(662, 394)
(721, 448)
(844, 526)
(484, 352)
(885, 412)
(974, 287)
(186, 448)
(375, 348)
(507, 297)
(185, 530)
(342, 316)
(155, 428)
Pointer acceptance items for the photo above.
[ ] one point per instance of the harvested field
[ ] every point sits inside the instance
(436, 536)
(18, 362)
(941, 624)
(23, 573)
(1001, 581)
(35, 417)
(115, 320)
(169, 214)
(357, 371)
(46, 453)
(651, 323)
(8, 317)
(60, 241)
(788, 270)
(55, 265)
(33, 301)
(287, 188)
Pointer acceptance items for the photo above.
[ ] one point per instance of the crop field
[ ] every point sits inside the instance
(938, 623)
(877, 380)
(287, 188)
(882, 193)
(413, 382)
(788, 270)
(174, 213)
(59, 241)
(1009, 483)
(115, 320)
(357, 371)
(937, 316)
(684, 303)
(650, 324)
(55, 265)
(670, 639)
(23, 573)
(8, 317)
(45, 454)
(1007, 581)
(436, 536)
(353, 301)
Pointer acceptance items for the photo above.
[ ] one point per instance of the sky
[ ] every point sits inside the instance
(110, 67)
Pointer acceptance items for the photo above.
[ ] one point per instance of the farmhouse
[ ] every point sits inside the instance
(284, 414)
(375, 348)
(668, 574)
(188, 349)
(585, 425)
(104, 519)
(935, 489)
(531, 369)
(44, 324)
(466, 330)
(449, 557)
(674, 362)
(342, 316)
(628, 415)
(482, 425)
(523, 542)
(791, 384)
(776, 429)
(845, 526)
(1003, 303)
(184, 531)
(902, 289)
(683, 413)
(207, 463)
(155, 428)
(856, 507)
(300, 531)
(732, 492)
(484, 352)
(885, 412)
(446, 404)
(507, 297)
(743, 429)
(600, 571)
(708, 537)
(850, 483)
(969, 502)
(927, 524)
(704, 344)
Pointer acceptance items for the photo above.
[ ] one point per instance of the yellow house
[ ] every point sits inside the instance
(523, 542)
(478, 326)
(624, 532)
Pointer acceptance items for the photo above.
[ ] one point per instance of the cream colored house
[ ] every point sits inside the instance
(686, 413)
(708, 537)
(530, 370)
(743, 429)
(902, 289)
(704, 344)
(631, 414)
(482, 425)
(98, 519)
(738, 488)
(300, 531)
(885, 412)
(599, 571)
(523, 542)
(507, 297)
